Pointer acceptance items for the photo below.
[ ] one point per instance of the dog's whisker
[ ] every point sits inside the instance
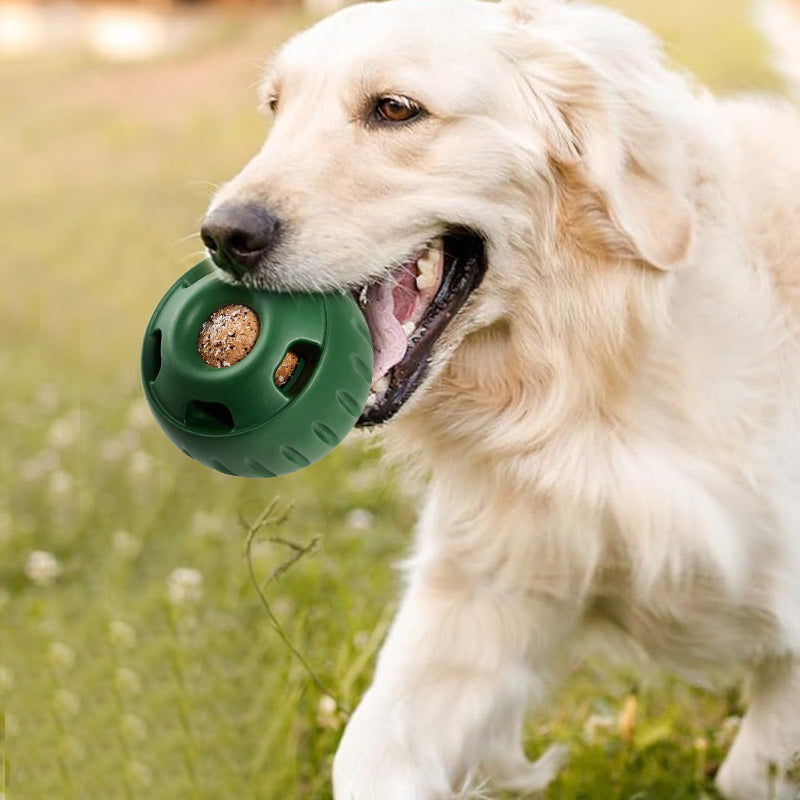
(194, 257)
(187, 238)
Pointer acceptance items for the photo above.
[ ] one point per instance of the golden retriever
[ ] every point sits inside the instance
(582, 277)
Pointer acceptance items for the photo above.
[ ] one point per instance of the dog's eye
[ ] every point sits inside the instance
(272, 103)
(395, 108)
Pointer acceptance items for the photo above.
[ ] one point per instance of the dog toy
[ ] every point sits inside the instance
(255, 384)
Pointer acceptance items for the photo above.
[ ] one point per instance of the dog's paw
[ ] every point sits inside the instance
(531, 776)
(377, 767)
(736, 782)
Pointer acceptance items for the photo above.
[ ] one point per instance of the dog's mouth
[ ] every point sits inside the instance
(407, 313)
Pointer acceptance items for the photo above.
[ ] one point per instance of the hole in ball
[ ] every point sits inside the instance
(287, 368)
(208, 417)
(297, 367)
(151, 356)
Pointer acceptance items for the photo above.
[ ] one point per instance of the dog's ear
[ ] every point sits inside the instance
(627, 183)
(618, 145)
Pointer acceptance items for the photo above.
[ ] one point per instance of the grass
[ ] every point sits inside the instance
(139, 660)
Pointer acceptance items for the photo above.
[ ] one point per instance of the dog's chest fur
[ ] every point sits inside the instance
(673, 534)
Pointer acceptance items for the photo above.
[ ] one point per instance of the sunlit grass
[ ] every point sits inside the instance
(121, 677)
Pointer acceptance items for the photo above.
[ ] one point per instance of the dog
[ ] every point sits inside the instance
(581, 274)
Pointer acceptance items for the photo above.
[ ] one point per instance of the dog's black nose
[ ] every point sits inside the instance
(238, 237)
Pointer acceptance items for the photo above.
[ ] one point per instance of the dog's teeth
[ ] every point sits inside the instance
(426, 269)
(428, 265)
(409, 328)
(381, 386)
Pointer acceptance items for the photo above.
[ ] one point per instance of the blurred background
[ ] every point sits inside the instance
(137, 657)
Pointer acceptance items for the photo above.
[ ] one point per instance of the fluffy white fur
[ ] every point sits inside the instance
(611, 426)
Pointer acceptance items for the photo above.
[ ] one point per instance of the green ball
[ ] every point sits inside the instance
(237, 419)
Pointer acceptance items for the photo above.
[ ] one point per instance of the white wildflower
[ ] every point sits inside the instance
(140, 464)
(283, 606)
(65, 431)
(327, 705)
(61, 656)
(184, 586)
(327, 716)
(359, 519)
(125, 544)
(67, 703)
(133, 727)
(112, 450)
(36, 468)
(127, 681)
(208, 523)
(122, 635)
(120, 446)
(139, 416)
(62, 484)
(42, 568)
(598, 726)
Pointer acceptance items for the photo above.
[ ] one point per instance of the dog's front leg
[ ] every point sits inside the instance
(450, 689)
(764, 761)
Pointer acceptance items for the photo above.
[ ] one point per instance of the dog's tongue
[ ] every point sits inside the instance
(389, 340)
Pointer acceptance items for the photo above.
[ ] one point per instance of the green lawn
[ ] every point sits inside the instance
(140, 661)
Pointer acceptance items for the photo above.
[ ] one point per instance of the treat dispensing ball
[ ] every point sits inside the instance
(254, 383)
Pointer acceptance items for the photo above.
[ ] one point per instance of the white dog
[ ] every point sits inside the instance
(582, 278)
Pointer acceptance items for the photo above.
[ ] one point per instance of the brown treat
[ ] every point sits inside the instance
(287, 368)
(228, 335)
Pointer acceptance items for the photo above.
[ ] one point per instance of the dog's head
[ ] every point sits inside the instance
(436, 157)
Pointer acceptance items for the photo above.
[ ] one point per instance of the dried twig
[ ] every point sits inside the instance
(271, 517)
